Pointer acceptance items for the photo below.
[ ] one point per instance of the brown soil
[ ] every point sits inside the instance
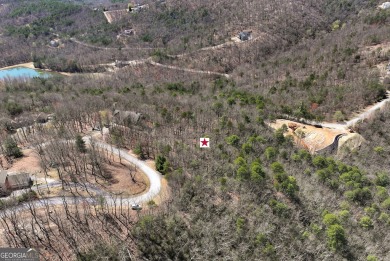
(115, 15)
(28, 163)
(165, 189)
(27, 65)
(383, 48)
(314, 139)
(121, 182)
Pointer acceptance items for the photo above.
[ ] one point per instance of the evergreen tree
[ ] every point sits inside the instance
(162, 164)
(80, 144)
(12, 149)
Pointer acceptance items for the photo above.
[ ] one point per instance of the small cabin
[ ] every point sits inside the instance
(10, 182)
(126, 117)
(129, 32)
(54, 43)
(244, 36)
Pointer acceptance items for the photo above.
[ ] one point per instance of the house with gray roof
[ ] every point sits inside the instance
(244, 36)
(13, 181)
(54, 43)
(126, 117)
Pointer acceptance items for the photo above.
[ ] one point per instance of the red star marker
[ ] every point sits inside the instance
(204, 142)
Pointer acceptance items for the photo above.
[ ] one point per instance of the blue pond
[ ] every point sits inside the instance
(22, 72)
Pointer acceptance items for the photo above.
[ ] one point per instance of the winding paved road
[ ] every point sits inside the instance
(187, 69)
(103, 196)
(365, 114)
(150, 61)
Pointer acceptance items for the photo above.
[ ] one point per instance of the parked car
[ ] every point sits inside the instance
(136, 207)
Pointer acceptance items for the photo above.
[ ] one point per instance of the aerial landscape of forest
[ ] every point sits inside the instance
(195, 130)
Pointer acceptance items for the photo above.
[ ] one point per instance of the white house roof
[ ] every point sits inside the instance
(385, 5)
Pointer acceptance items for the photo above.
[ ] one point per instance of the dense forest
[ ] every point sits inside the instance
(254, 195)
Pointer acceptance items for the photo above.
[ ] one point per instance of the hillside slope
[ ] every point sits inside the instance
(254, 195)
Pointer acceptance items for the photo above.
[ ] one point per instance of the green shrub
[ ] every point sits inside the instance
(295, 157)
(360, 195)
(269, 250)
(146, 38)
(240, 223)
(381, 193)
(353, 179)
(261, 239)
(372, 258)
(247, 148)
(382, 179)
(290, 186)
(80, 144)
(385, 218)
(379, 150)
(344, 205)
(223, 181)
(307, 172)
(323, 174)
(338, 116)
(372, 210)
(233, 140)
(13, 108)
(139, 151)
(366, 222)
(176, 87)
(344, 215)
(30, 195)
(12, 149)
(257, 172)
(279, 135)
(277, 168)
(162, 164)
(279, 209)
(335, 25)
(243, 173)
(304, 154)
(305, 235)
(151, 203)
(386, 204)
(315, 229)
(336, 237)
(240, 161)
(320, 162)
(330, 219)
(270, 153)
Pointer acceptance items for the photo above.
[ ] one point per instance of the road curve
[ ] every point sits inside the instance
(104, 197)
(188, 70)
(153, 175)
(367, 113)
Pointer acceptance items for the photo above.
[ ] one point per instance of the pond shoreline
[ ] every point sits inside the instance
(26, 65)
(30, 65)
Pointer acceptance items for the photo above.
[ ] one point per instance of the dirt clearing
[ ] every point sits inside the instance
(308, 136)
